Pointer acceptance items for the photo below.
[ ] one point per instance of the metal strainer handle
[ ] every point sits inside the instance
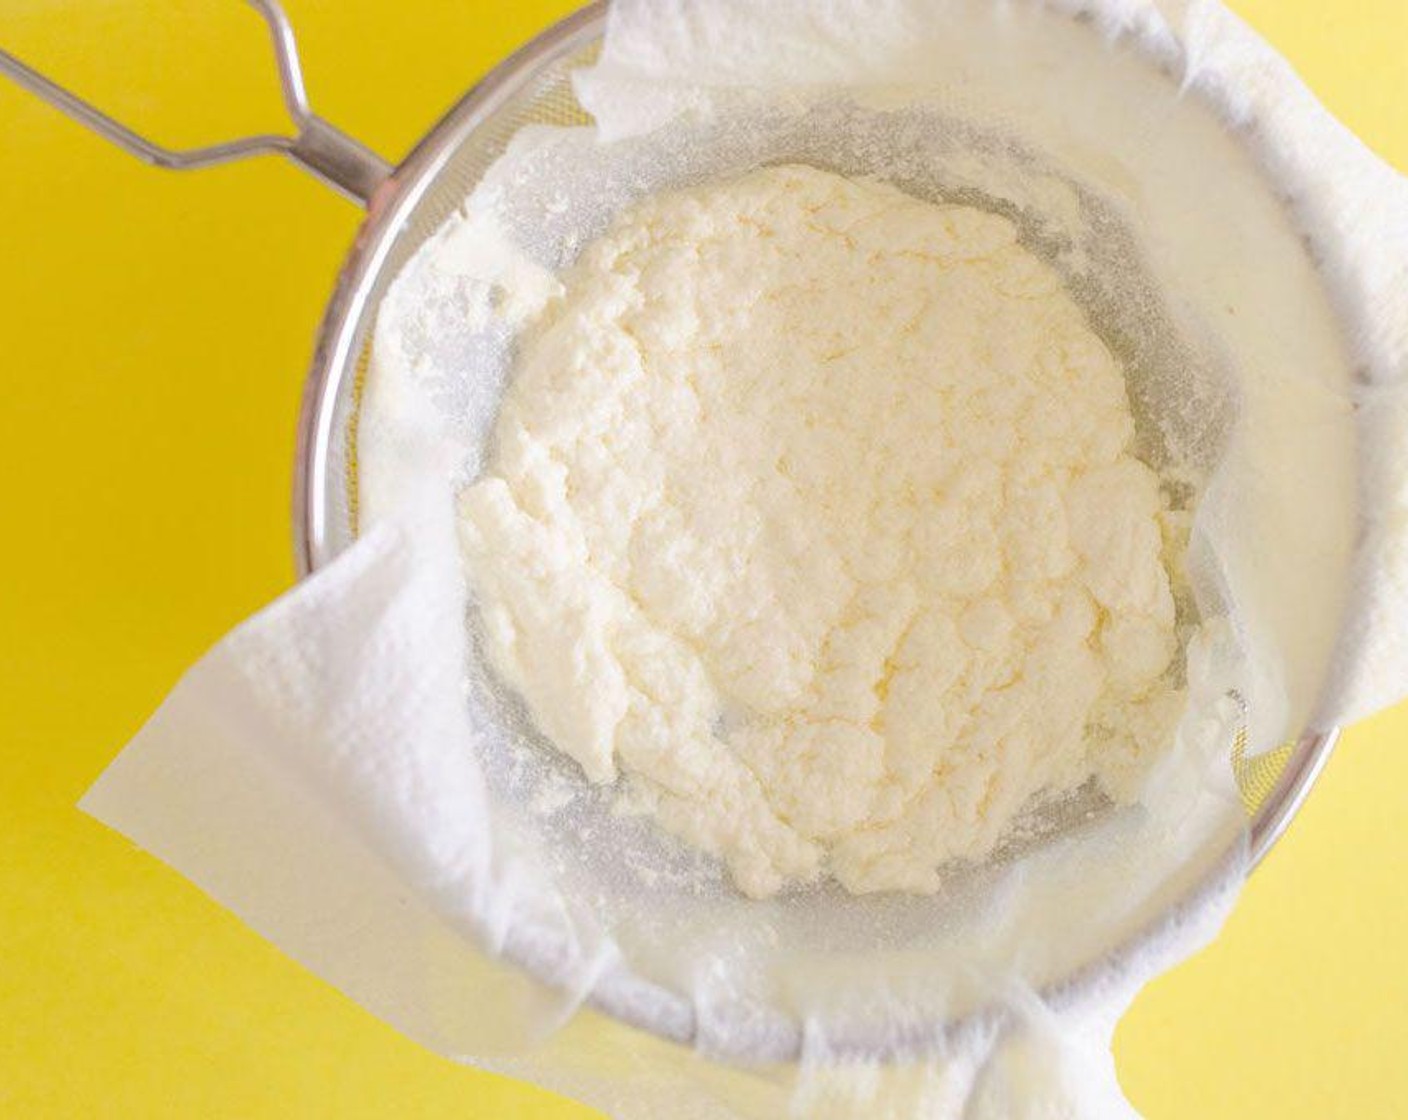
(329, 153)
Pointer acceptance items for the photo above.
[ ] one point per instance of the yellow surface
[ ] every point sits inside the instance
(155, 332)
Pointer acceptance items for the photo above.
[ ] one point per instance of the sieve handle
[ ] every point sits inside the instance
(327, 152)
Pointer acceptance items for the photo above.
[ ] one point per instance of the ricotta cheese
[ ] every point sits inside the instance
(812, 517)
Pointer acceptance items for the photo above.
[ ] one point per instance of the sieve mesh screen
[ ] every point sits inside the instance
(543, 96)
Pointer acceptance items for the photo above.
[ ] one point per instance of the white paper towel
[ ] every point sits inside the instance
(314, 773)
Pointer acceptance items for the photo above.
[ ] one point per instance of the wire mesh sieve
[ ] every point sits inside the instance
(535, 88)
(532, 88)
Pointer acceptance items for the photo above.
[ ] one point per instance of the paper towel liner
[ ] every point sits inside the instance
(320, 775)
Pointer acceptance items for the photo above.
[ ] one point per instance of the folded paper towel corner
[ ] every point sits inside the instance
(314, 773)
(318, 773)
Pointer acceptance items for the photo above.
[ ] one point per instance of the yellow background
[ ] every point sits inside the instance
(155, 332)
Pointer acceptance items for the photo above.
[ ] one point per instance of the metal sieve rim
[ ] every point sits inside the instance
(341, 342)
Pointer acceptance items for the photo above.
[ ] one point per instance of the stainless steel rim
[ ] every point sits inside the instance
(340, 339)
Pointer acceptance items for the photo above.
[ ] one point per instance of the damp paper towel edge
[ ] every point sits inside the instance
(233, 821)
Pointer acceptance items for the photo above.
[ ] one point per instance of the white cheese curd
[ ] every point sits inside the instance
(812, 517)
